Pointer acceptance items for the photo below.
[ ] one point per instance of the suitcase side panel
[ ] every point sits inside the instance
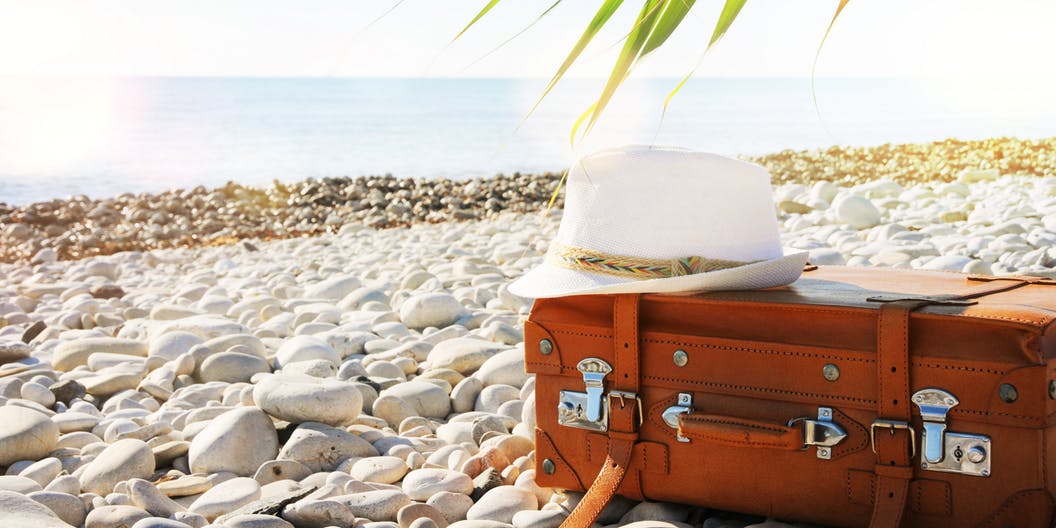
(777, 381)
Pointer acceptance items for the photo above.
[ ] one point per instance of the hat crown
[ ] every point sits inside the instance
(663, 203)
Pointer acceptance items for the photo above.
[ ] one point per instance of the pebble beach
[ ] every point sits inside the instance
(345, 352)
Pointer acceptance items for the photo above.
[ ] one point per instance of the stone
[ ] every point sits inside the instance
(303, 348)
(453, 506)
(501, 503)
(857, 211)
(38, 393)
(383, 469)
(158, 522)
(19, 484)
(71, 354)
(172, 345)
(114, 517)
(423, 522)
(122, 460)
(185, 486)
(25, 434)
(322, 448)
(412, 512)
(13, 350)
(252, 520)
(19, 511)
(165, 453)
(393, 409)
(947, 263)
(231, 367)
(65, 484)
(148, 497)
(66, 391)
(538, 519)
(316, 368)
(427, 399)
(431, 309)
(309, 513)
(421, 484)
(333, 289)
(299, 399)
(506, 368)
(67, 507)
(464, 395)
(238, 441)
(669, 524)
(225, 497)
(112, 380)
(656, 511)
(43, 471)
(275, 470)
(380, 505)
(480, 523)
(463, 354)
(493, 396)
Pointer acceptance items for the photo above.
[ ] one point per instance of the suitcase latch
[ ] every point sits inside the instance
(671, 414)
(822, 433)
(589, 409)
(948, 451)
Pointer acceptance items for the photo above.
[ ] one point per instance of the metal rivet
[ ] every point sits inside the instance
(548, 466)
(681, 358)
(545, 348)
(976, 454)
(831, 372)
(1008, 393)
(1052, 389)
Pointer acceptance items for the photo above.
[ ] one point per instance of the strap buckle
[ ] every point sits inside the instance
(622, 396)
(891, 426)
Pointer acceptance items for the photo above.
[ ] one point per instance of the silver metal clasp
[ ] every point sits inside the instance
(822, 433)
(586, 410)
(944, 450)
(671, 414)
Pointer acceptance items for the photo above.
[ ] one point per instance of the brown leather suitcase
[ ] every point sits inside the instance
(852, 397)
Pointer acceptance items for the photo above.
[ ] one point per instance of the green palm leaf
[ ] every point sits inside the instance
(817, 55)
(632, 48)
(672, 15)
(605, 12)
(729, 13)
(482, 12)
(519, 33)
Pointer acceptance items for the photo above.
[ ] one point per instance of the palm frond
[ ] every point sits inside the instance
(480, 15)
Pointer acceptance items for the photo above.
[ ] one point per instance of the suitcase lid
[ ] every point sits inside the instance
(970, 348)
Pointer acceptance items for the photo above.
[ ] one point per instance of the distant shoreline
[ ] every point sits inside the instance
(80, 227)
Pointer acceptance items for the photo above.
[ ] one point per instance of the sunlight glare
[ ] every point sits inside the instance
(47, 127)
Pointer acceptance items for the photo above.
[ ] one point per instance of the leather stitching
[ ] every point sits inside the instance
(989, 521)
(766, 351)
(748, 388)
(720, 421)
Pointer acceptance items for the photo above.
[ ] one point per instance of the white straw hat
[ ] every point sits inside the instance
(646, 219)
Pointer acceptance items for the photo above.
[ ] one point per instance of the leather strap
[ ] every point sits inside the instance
(625, 341)
(893, 439)
(623, 415)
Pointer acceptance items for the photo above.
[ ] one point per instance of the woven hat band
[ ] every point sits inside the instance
(585, 259)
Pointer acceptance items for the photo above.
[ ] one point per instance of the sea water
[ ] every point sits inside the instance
(106, 136)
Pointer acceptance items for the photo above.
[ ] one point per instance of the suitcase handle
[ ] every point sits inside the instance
(741, 432)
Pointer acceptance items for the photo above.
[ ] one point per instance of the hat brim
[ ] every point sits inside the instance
(548, 280)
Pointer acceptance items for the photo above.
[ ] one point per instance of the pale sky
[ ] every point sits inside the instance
(1007, 39)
